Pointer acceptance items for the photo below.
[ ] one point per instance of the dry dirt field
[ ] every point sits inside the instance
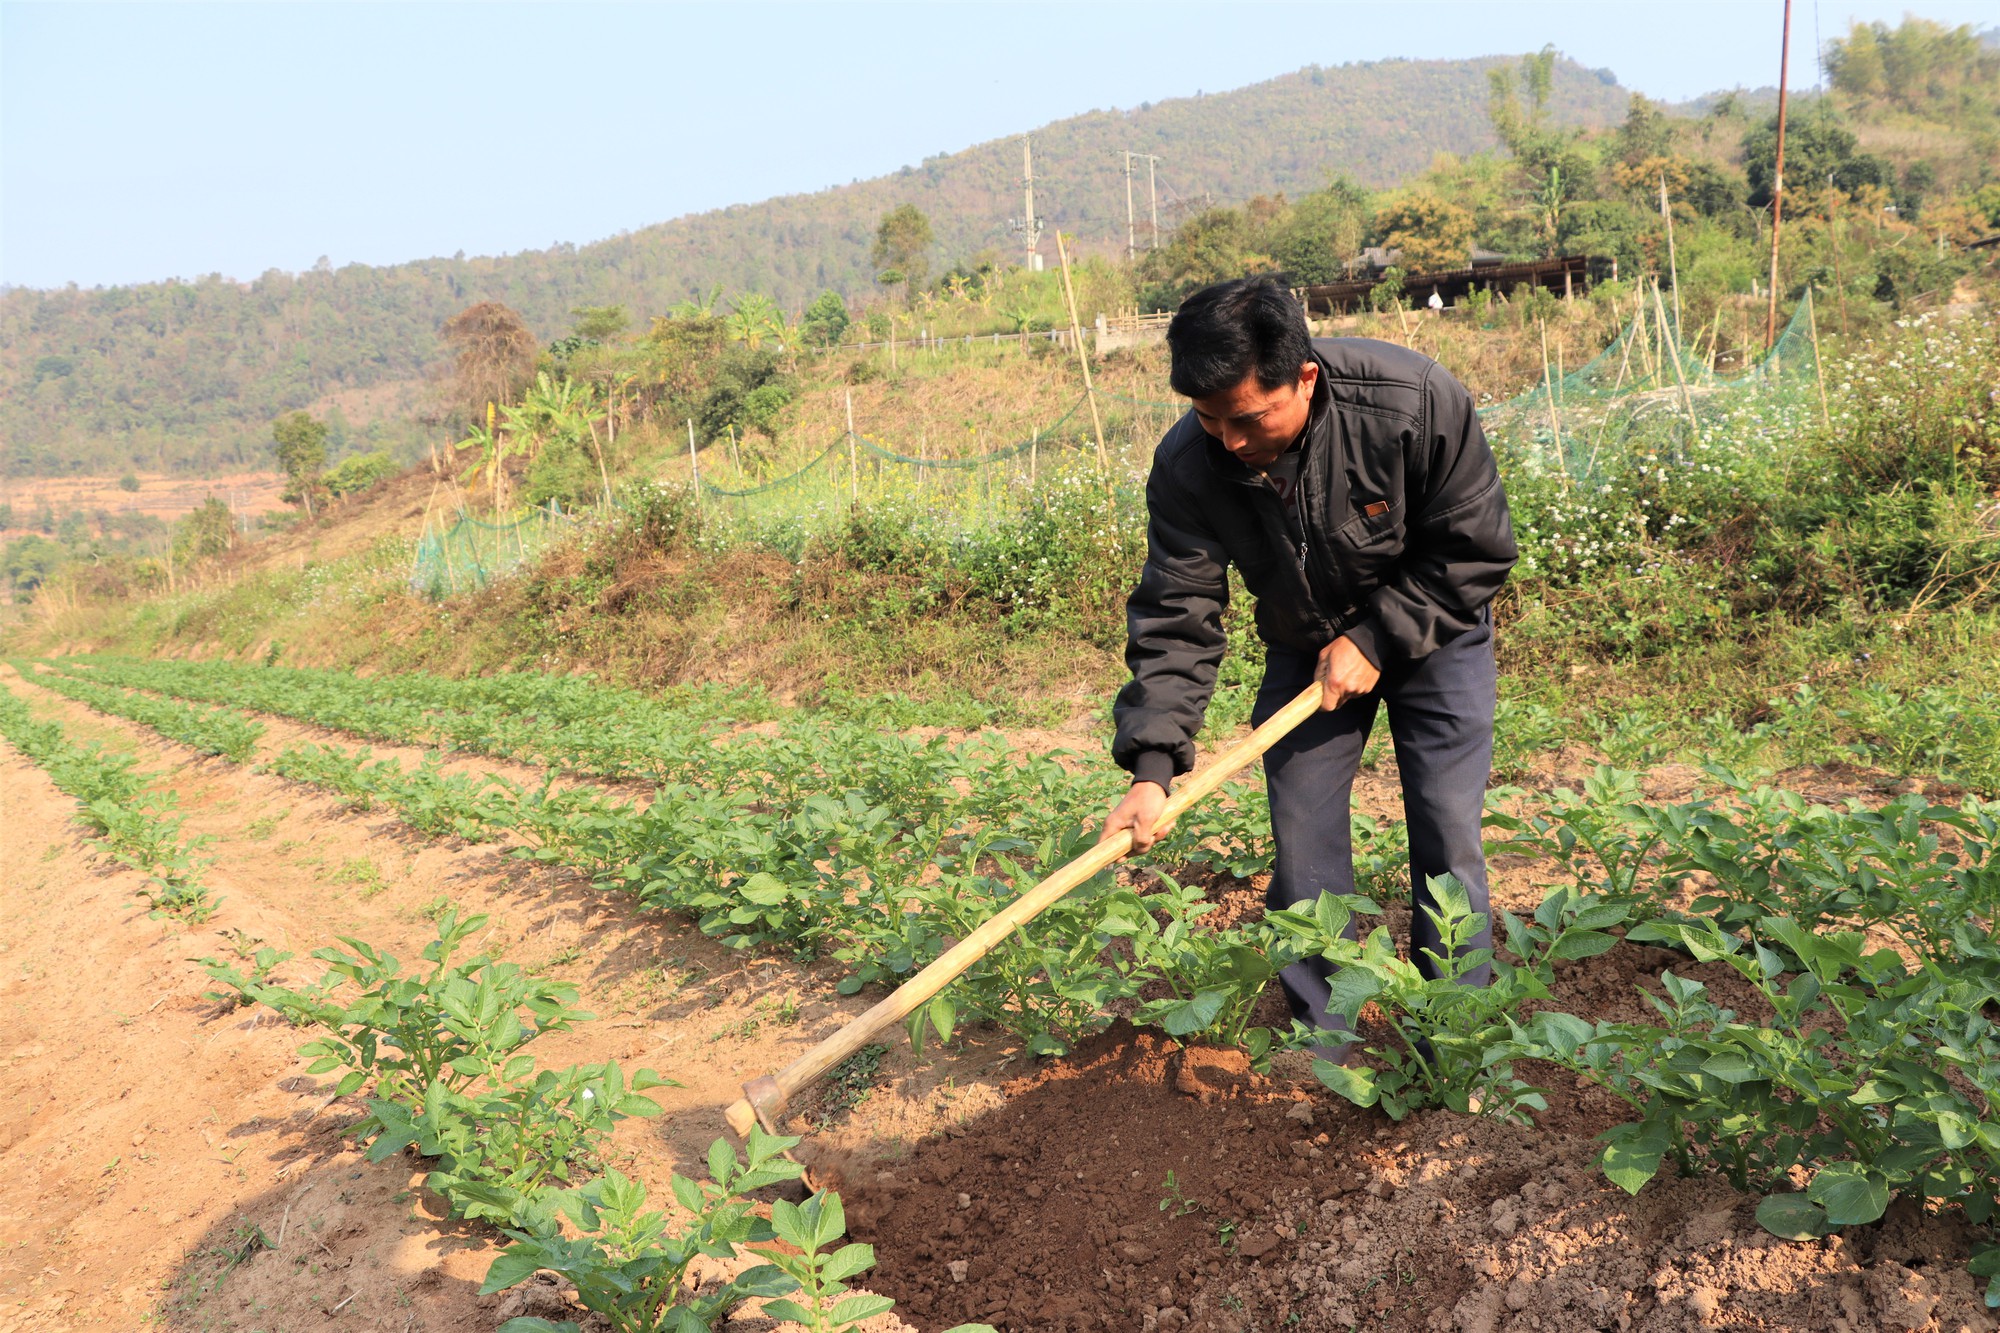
(168, 1163)
(162, 497)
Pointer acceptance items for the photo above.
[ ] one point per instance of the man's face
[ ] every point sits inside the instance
(1255, 423)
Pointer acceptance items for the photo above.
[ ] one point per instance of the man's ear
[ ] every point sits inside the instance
(1309, 376)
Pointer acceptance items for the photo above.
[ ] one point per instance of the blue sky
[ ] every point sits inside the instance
(143, 141)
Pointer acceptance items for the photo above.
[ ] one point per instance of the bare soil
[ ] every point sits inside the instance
(166, 1158)
(159, 495)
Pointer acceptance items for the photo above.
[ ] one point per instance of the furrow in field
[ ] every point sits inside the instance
(294, 871)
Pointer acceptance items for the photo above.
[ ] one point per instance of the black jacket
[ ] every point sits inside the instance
(1402, 537)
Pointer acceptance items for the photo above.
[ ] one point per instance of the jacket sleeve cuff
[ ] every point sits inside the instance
(1154, 766)
(1368, 637)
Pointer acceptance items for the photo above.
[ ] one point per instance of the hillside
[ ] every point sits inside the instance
(186, 376)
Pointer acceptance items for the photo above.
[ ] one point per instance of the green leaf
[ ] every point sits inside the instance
(1792, 1216)
(1583, 944)
(1357, 1085)
(829, 1225)
(1349, 989)
(1631, 1154)
(788, 1220)
(1559, 1032)
(530, 1324)
(1730, 1067)
(782, 1309)
(944, 1015)
(513, 1266)
(1851, 1194)
(853, 1309)
(721, 1160)
(765, 1280)
(846, 1261)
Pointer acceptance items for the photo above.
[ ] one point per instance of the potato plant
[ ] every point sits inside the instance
(215, 731)
(826, 838)
(133, 826)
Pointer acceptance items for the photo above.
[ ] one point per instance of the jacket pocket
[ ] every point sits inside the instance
(1372, 523)
(1367, 546)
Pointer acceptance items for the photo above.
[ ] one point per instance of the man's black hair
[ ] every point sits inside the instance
(1233, 329)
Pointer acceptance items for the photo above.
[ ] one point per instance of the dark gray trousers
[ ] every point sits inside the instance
(1441, 719)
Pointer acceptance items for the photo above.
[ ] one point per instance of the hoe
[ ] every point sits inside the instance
(765, 1097)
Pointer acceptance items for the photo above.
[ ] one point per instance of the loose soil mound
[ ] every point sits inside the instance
(1291, 1209)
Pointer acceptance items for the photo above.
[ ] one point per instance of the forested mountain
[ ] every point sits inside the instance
(188, 375)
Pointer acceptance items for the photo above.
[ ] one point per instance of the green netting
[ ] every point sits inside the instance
(1630, 395)
(471, 552)
(963, 489)
(1644, 392)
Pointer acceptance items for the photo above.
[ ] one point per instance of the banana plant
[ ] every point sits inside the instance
(494, 447)
(755, 321)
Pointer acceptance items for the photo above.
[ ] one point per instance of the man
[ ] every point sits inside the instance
(1350, 483)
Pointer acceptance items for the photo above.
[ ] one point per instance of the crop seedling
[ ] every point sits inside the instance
(1446, 1051)
(825, 1305)
(626, 1263)
(1173, 1202)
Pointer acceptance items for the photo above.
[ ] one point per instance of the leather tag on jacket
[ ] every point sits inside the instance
(1377, 509)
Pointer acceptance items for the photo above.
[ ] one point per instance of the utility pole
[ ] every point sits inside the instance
(1028, 227)
(1130, 248)
(1153, 188)
(1153, 191)
(1778, 182)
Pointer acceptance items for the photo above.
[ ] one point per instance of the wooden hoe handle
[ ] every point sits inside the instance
(764, 1098)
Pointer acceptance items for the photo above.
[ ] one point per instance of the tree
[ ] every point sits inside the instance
(1515, 127)
(1646, 134)
(1209, 247)
(599, 322)
(755, 320)
(1431, 231)
(30, 560)
(301, 447)
(901, 240)
(825, 322)
(1920, 65)
(208, 530)
(1818, 153)
(493, 356)
(1312, 242)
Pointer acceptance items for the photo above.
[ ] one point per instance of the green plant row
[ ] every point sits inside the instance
(439, 1056)
(567, 722)
(891, 857)
(1878, 1072)
(842, 878)
(132, 825)
(217, 731)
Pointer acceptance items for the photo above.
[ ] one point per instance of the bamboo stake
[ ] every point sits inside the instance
(1549, 392)
(1083, 359)
(694, 462)
(1673, 264)
(1624, 356)
(1778, 182)
(764, 1098)
(1673, 350)
(853, 458)
(1812, 327)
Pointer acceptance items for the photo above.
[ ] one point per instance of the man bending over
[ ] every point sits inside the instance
(1350, 484)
